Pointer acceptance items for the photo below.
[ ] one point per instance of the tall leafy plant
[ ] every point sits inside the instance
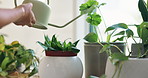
(142, 29)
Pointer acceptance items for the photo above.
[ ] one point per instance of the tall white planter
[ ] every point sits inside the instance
(60, 67)
(133, 68)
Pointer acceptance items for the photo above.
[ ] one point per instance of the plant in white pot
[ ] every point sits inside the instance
(142, 32)
(135, 67)
(16, 61)
(61, 59)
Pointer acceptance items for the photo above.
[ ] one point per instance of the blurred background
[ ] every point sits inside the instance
(115, 11)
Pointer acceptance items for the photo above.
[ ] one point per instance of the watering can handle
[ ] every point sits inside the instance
(15, 2)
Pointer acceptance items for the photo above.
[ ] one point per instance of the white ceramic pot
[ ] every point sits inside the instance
(133, 68)
(60, 67)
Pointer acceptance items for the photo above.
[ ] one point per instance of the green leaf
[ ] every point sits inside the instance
(75, 43)
(120, 33)
(143, 32)
(75, 50)
(5, 62)
(91, 37)
(2, 40)
(108, 38)
(129, 33)
(88, 7)
(119, 39)
(43, 45)
(47, 41)
(94, 19)
(4, 73)
(115, 26)
(117, 58)
(46, 38)
(110, 28)
(143, 9)
(1, 69)
(34, 71)
(54, 39)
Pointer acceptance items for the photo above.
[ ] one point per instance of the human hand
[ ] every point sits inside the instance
(28, 17)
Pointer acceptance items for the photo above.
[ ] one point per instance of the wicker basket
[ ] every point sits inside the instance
(16, 75)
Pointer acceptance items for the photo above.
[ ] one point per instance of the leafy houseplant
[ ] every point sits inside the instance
(142, 29)
(61, 57)
(57, 46)
(97, 45)
(133, 64)
(13, 56)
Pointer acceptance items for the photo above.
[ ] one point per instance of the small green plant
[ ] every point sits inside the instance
(13, 56)
(55, 45)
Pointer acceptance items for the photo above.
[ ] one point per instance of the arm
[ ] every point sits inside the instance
(10, 15)
(21, 15)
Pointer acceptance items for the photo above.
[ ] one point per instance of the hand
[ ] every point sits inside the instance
(28, 17)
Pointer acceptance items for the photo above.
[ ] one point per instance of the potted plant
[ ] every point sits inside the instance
(135, 67)
(16, 61)
(61, 59)
(142, 32)
(95, 45)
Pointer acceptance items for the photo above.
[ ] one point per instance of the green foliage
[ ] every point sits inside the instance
(116, 58)
(125, 32)
(89, 6)
(143, 9)
(13, 56)
(91, 37)
(94, 19)
(55, 45)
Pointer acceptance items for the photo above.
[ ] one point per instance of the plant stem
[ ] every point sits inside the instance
(120, 67)
(118, 48)
(101, 39)
(58, 26)
(139, 54)
(116, 69)
(109, 36)
(103, 19)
